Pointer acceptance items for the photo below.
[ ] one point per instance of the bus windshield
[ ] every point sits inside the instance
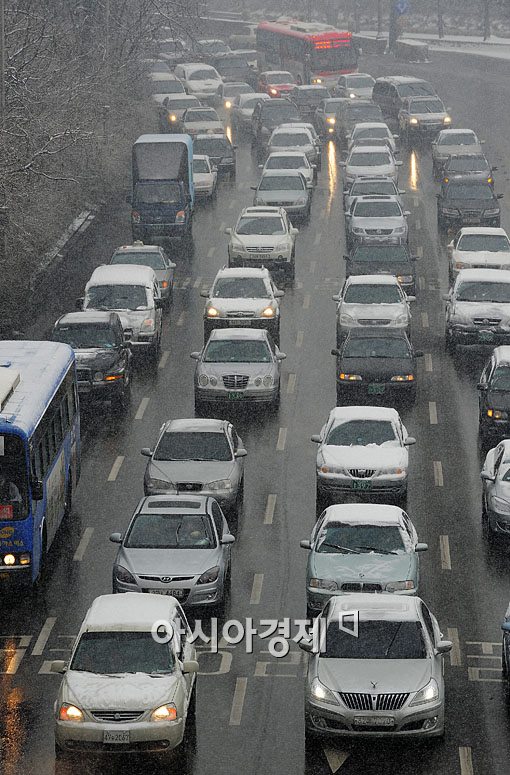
(13, 478)
(328, 59)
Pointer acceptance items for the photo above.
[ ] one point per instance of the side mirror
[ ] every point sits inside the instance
(494, 169)
(395, 137)
(305, 544)
(499, 196)
(205, 293)
(58, 666)
(293, 230)
(407, 213)
(401, 191)
(343, 164)
(227, 539)
(278, 294)
(482, 142)
(195, 356)
(315, 438)
(241, 452)
(281, 356)
(346, 258)
(411, 298)
(146, 452)
(487, 477)
(37, 490)
(335, 352)
(409, 441)
(444, 646)
(260, 166)
(419, 353)
(116, 538)
(253, 188)
(482, 386)
(309, 186)
(229, 230)
(190, 666)
(79, 302)
(399, 163)
(421, 547)
(415, 258)
(336, 297)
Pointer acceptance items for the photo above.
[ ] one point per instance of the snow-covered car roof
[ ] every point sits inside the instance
(372, 279)
(502, 356)
(244, 271)
(238, 333)
(483, 230)
(195, 424)
(123, 274)
(371, 125)
(341, 414)
(109, 613)
(369, 606)
(364, 514)
(483, 275)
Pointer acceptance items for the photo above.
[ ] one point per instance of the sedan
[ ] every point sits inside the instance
(478, 247)
(468, 167)
(361, 547)
(422, 117)
(453, 142)
(276, 83)
(380, 133)
(238, 366)
(384, 259)
(291, 160)
(495, 476)
(386, 682)
(242, 110)
(306, 98)
(178, 546)
(220, 150)
(201, 120)
(373, 362)
(324, 118)
(285, 138)
(467, 203)
(355, 86)
(205, 177)
(228, 92)
(370, 161)
(205, 456)
(371, 185)
(362, 452)
(171, 110)
(287, 189)
(376, 219)
(155, 258)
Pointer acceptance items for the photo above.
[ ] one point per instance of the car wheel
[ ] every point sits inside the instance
(124, 398)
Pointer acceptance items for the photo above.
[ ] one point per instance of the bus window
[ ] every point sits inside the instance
(13, 479)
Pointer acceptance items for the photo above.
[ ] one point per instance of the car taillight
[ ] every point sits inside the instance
(135, 216)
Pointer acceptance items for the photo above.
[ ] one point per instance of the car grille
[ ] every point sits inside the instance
(117, 716)
(486, 321)
(356, 701)
(265, 249)
(286, 204)
(374, 322)
(361, 586)
(189, 486)
(379, 231)
(471, 213)
(235, 381)
(240, 314)
(168, 579)
(361, 473)
(83, 375)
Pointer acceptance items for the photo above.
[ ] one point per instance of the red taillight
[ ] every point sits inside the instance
(135, 216)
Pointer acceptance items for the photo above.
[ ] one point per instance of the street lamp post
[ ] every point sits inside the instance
(440, 24)
(486, 20)
(379, 18)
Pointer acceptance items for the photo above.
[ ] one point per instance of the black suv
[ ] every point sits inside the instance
(352, 112)
(494, 396)
(267, 115)
(384, 259)
(103, 358)
(391, 92)
(307, 99)
(467, 203)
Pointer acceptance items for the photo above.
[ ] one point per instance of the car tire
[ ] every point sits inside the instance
(124, 398)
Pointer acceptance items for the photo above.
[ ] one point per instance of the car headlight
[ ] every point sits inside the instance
(148, 324)
(321, 693)
(328, 469)
(268, 312)
(258, 201)
(497, 414)
(403, 378)
(450, 211)
(160, 484)
(350, 377)
(460, 265)
(268, 381)
(345, 319)
(331, 120)
(399, 230)
(68, 712)
(257, 381)
(323, 584)
(273, 91)
(164, 713)
(219, 484)
(405, 278)
(393, 471)
(429, 693)
(122, 574)
(403, 318)
(98, 376)
(302, 200)
(500, 505)
(492, 212)
(228, 104)
(212, 312)
(172, 118)
(203, 380)
(209, 576)
(282, 246)
(397, 586)
(413, 121)
(447, 120)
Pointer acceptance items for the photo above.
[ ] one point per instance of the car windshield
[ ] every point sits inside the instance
(483, 291)
(280, 78)
(193, 115)
(249, 104)
(116, 297)
(278, 113)
(362, 433)
(286, 163)
(394, 254)
(467, 138)
(260, 225)
(416, 89)
(467, 164)
(375, 131)
(332, 105)
(309, 96)
(359, 81)
(157, 193)
(376, 347)
(200, 165)
(212, 146)
(203, 75)
(337, 537)
(166, 87)
(358, 114)
(372, 294)
(173, 104)
(367, 187)
(501, 379)
(376, 640)
(170, 531)
(117, 652)
(494, 243)
(85, 336)
(232, 90)
(369, 159)
(237, 351)
(285, 139)
(193, 445)
(426, 106)
(240, 288)
(281, 183)
(377, 210)
(469, 191)
(153, 259)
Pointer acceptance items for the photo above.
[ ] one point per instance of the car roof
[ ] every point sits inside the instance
(188, 97)
(259, 95)
(238, 333)
(369, 149)
(484, 275)
(369, 606)
(196, 66)
(130, 612)
(377, 198)
(373, 179)
(244, 271)
(201, 156)
(276, 72)
(237, 84)
(453, 132)
(216, 136)
(289, 129)
(372, 279)
(484, 230)
(308, 86)
(122, 274)
(261, 210)
(180, 503)
(370, 125)
(94, 317)
(357, 103)
(281, 173)
(142, 248)
(195, 424)
(373, 332)
(364, 514)
(344, 413)
(301, 154)
(402, 79)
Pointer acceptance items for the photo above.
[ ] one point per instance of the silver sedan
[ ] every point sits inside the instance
(495, 477)
(376, 219)
(285, 188)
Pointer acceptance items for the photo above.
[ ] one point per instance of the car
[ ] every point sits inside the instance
(243, 297)
(276, 83)
(152, 65)
(306, 98)
(264, 237)
(362, 452)
(324, 118)
(205, 177)
(494, 397)
(468, 167)
(385, 683)
(211, 47)
(201, 120)
(505, 651)
(199, 79)
(376, 219)
(227, 93)
(391, 91)
(172, 50)
(361, 547)
(219, 149)
(308, 127)
(291, 160)
(352, 112)
(267, 115)
(194, 456)
(242, 110)
(238, 366)
(154, 257)
(371, 300)
(234, 67)
(393, 260)
(478, 247)
(146, 699)
(355, 86)
(371, 133)
(422, 117)
(370, 160)
(286, 188)
(478, 309)
(467, 203)
(171, 110)
(453, 142)
(495, 476)
(104, 367)
(284, 138)
(163, 83)
(376, 362)
(366, 185)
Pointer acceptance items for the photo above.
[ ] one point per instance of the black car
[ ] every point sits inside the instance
(494, 396)
(467, 203)
(472, 167)
(353, 112)
(307, 99)
(233, 66)
(372, 363)
(268, 114)
(220, 150)
(384, 259)
(391, 91)
(103, 357)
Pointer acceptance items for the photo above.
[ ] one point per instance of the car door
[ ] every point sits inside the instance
(184, 649)
(485, 379)
(222, 528)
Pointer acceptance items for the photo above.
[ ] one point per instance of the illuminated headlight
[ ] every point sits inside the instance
(268, 381)
(350, 377)
(69, 712)
(352, 96)
(321, 693)
(447, 120)
(500, 505)
(324, 584)
(268, 312)
(203, 380)
(331, 120)
(429, 693)
(164, 713)
(399, 586)
(413, 121)
(219, 484)
(228, 104)
(316, 80)
(98, 376)
(148, 324)
(24, 559)
(212, 312)
(497, 414)
(399, 230)
(273, 91)
(405, 278)
(403, 378)
(173, 118)
(9, 559)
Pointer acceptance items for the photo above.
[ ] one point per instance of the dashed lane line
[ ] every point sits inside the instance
(444, 548)
(211, 252)
(112, 476)
(43, 637)
(306, 301)
(433, 412)
(428, 362)
(438, 473)
(236, 711)
(317, 240)
(197, 283)
(282, 438)
(141, 409)
(291, 384)
(180, 319)
(163, 360)
(424, 319)
(82, 546)
(299, 339)
(270, 507)
(419, 251)
(256, 590)
(466, 761)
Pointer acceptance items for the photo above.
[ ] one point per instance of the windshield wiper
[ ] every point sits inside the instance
(340, 548)
(393, 639)
(376, 549)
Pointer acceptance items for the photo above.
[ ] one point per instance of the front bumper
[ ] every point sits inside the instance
(104, 391)
(144, 736)
(426, 130)
(316, 599)
(203, 191)
(148, 231)
(378, 239)
(471, 335)
(226, 498)
(248, 395)
(499, 523)
(372, 488)
(372, 390)
(188, 593)
(459, 220)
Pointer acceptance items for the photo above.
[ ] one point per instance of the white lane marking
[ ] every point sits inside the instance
(256, 590)
(433, 412)
(455, 653)
(236, 711)
(163, 359)
(270, 507)
(317, 240)
(417, 225)
(306, 301)
(335, 758)
(282, 438)
(438, 473)
(44, 635)
(197, 283)
(424, 319)
(444, 548)
(299, 286)
(141, 409)
(299, 338)
(180, 319)
(211, 252)
(82, 546)
(185, 283)
(419, 251)
(312, 266)
(416, 201)
(14, 660)
(291, 384)
(117, 463)
(428, 362)
(466, 761)
(421, 283)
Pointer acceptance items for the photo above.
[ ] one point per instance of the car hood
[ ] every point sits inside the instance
(372, 171)
(133, 318)
(376, 368)
(251, 369)
(429, 116)
(378, 223)
(307, 148)
(203, 126)
(375, 311)
(389, 675)
(254, 240)
(96, 358)
(203, 177)
(381, 267)
(472, 309)
(123, 692)
(281, 196)
(499, 400)
(169, 562)
(483, 257)
(458, 150)
(373, 456)
(236, 305)
(191, 470)
(471, 204)
(366, 567)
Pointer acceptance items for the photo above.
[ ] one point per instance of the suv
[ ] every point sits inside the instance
(103, 358)
(154, 257)
(468, 167)
(391, 91)
(376, 219)
(453, 142)
(243, 297)
(422, 117)
(465, 203)
(352, 112)
(199, 79)
(478, 247)
(494, 396)
(219, 149)
(355, 86)
(267, 115)
(286, 138)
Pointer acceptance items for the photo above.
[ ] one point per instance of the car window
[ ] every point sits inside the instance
(382, 253)
(371, 132)
(218, 518)
(376, 640)
(106, 297)
(152, 259)
(200, 115)
(376, 347)
(377, 210)
(469, 191)
(483, 292)
(501, 379)
(202, 75)
(122, 652)
(282, 183)
(428, 622)
(339, 538)
(200, 165)
(467, 164)
(240, 288)
(362, 188)
(237, 351)
(372, 294)
(85, 336)
(369, 159)
(286, 162)
(457, 139)
(170, 531)
(359, 81)
(426, 106)
(415, 88)
(212, 146)
(285, 139)
(362, 433)
(491, 242)
(192, 446)
(260, 225)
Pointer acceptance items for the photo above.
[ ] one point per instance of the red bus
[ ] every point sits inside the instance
(312, 52)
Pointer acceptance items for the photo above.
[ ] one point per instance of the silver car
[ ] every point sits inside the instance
(154, 257)
(372, 133)
(285, 138)
(385, 678)
(370, 160)
(177, 546)
(376, 219)
(355, 86)
(242, 110)
(495, 476)
(366, 185)
(196, 121)
(199, 456)
(238, 366)
(291, 160)
(287, 189)
(453, 142)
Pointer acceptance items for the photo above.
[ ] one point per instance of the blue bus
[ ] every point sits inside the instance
(39, 452)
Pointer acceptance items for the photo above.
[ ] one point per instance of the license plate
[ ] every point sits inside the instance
(471, 220)
(237, 323)
(374, 721)
(235, 395)
(6, 511)
(172, 592)
(485, 336)
(376, 390)
(361, 484)
(116, 736)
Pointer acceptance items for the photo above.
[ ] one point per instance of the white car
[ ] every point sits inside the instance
(242, 110)
(376, 220)
(291, 160)
(371, 300)
(286, 138)
(196, 121)
(371, 160)
(478, 247)
(228, 92)
(205, 177)
(203, 81)
(263, 236)
(363, 133)
(362, 452)
(366, 186)
(453, 142)
(355, 86)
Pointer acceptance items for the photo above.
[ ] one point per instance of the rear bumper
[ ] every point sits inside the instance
(273, 326)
